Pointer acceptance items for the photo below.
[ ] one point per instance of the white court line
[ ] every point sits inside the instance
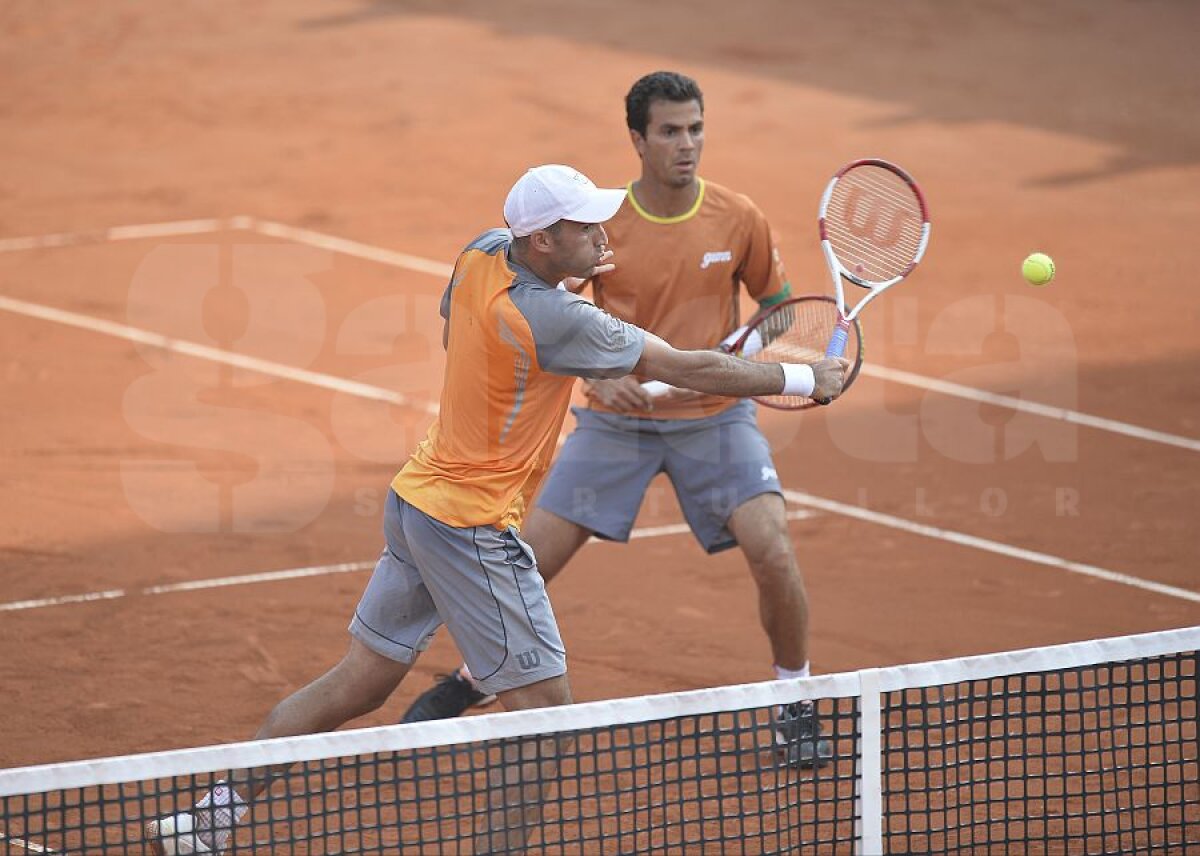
(190, 585)
(28, 846)
(1032, 407)
(860, 513)
(346, 246)
(216, 355)
(681, 528)
(116, 233)
(294, 573)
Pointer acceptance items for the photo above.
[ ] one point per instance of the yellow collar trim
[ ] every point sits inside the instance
(666, 221)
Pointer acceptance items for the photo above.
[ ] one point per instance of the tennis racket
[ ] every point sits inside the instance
(874, 230)
(794, 331)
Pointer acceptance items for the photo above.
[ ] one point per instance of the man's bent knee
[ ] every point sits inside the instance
(367, 677)
(551, 692)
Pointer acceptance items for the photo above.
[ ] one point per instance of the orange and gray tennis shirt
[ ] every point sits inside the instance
(515, 346)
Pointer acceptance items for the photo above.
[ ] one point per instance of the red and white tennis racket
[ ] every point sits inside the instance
(874, 230)
(794, 331)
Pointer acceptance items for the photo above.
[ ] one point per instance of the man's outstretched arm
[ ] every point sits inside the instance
(717, 373)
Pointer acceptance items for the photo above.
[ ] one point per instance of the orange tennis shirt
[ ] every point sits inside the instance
(515, 347)
(678, 277)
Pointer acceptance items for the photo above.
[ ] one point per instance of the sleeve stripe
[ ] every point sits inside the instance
(784, 294)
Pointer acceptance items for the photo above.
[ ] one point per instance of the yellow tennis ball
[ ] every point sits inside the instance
(1038, 269)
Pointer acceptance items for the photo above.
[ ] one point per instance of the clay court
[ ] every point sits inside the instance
(318, 165)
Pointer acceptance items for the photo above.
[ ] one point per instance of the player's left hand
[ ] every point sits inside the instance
(622, 394)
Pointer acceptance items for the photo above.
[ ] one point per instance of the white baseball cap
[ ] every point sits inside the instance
(546, 194)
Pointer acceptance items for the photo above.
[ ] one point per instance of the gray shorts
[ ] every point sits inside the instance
(481, 581)
(600, 477)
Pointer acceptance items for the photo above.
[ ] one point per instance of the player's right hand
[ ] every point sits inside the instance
(829, 376)
(575, 284)
(623, 394)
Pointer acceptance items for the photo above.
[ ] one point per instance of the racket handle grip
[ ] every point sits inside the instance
(732, 339)
(837, 342)
(656, 388)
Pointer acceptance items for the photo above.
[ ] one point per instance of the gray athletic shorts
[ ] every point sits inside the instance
(481, 581)
(600, 477)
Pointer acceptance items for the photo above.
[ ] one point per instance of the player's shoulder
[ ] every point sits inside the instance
(484, 267)
(730, 200)
(532, 296)
(551, 313)
(491, 242)
(527, 288)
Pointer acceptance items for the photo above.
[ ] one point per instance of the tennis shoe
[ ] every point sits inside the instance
(799, 738)
(176, 835)
(452, 695)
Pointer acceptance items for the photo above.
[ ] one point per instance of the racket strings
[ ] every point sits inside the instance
(874, 223)
(890, 230)
(797, 333)
(853, 249)
(776, 324)
(850, 244)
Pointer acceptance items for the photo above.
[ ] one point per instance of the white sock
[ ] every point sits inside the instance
(466, 673)
(216, 814)
(785, 674)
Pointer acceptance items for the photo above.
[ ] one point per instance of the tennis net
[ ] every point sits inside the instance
(1079, 749)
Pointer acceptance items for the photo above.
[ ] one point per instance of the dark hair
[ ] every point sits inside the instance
(661, 86)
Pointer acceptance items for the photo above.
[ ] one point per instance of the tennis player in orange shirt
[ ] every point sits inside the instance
(687, 247)
(515, 343)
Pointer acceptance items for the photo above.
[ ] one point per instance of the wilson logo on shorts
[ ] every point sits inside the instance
(529, 660)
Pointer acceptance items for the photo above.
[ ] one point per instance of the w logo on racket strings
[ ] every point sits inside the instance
(529, 660)
(870, 216)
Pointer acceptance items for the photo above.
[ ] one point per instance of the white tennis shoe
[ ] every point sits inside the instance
(174, 835)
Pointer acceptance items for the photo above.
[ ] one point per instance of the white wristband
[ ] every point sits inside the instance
(798, 379)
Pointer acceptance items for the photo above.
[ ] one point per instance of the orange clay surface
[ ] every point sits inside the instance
(1069, 128)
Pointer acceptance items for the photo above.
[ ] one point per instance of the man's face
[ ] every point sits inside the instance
(576, 247)
(670, 150)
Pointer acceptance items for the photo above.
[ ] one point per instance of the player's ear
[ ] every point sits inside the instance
(639, 142)
(542, 240)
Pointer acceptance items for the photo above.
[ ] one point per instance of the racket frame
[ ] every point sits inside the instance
(837, 270)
